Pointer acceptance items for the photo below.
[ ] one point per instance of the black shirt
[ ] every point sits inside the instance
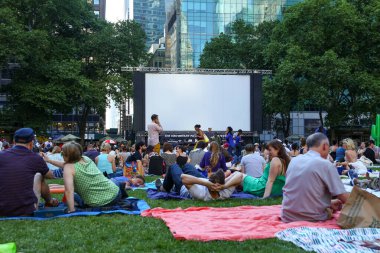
(370, 154)
(135, 157)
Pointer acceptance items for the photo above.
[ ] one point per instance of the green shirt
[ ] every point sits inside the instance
(92, 186)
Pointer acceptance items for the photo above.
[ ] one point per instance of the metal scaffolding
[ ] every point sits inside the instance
(196, 70)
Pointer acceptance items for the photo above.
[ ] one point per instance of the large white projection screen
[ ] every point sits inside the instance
(183, 100)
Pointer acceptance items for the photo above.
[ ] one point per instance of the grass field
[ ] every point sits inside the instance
(122, 233)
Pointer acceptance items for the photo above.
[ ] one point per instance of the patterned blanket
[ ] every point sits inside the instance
(323, 240)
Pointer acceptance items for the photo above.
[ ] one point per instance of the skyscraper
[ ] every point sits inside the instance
(151, 15)
(191, 23)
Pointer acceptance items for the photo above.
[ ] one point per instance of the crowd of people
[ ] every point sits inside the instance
(304, 173)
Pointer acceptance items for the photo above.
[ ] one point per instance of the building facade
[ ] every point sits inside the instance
(191, 23)
(99, 8)
(158, 54)
(151, 15)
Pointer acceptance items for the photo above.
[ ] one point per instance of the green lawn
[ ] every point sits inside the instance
(122, 233)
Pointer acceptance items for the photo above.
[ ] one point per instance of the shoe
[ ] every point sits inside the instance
(158, 184)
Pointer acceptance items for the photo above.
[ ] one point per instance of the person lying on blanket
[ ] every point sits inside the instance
(205, 189)
(273, 178)
(135, 181)
(22, 177)
(311, 183)
(81, 176)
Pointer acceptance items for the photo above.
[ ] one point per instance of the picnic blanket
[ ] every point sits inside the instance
(147, 186)
(134, 207)
(154, 194)
(324, 240)
(229, 224)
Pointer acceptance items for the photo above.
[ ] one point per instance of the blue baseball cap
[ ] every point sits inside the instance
(24, 135)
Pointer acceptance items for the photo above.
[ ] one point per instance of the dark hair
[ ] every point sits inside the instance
(281, 152)
(217, 177)
(372, 142)
(154, 116)
(167, 147)
(315, 140)
(140, 177)
(181, 160)
(149, 149)
(367, 144)
(229, 129)
(294, 146)
(139, 145)
(201, 145)
(249, 148)
(72, 151)
(197, 126)
(303, 141)
(181, 148)
(334, 142)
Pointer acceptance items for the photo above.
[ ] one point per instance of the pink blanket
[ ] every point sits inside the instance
(229, 224)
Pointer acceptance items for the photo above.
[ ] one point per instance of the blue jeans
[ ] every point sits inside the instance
(173, 176)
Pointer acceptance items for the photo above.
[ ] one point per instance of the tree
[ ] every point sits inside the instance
(69, 59)
(220, 53)
(335, 78)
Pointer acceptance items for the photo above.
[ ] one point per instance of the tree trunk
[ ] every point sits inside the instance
(285, 122)
(82, 121)
(321, 117)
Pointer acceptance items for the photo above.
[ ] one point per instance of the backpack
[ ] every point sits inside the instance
(156, 165)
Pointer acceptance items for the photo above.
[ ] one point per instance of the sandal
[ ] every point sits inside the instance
(52, 203)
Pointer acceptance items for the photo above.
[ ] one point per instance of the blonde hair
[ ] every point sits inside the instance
(56, 150)
(349, 143)
(105, 147)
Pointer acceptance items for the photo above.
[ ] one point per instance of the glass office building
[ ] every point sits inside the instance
(151, 15)
(191, 23)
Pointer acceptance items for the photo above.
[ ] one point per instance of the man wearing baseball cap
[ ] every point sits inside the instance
(22, 174)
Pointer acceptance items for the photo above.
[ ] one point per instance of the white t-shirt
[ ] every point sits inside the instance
(253, 164)
(201, 192)
(54, 157)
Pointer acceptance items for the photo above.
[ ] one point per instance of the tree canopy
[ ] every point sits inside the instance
(69, 59)
(323, 54)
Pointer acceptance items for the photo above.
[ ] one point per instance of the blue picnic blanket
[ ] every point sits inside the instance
(154, 194)
(147, 186)
(131, 206)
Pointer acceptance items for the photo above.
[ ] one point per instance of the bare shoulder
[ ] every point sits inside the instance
(275, 161)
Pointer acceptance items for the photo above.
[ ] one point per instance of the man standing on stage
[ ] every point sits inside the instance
(154, 130)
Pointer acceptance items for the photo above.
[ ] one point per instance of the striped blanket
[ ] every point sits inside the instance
(323, 240)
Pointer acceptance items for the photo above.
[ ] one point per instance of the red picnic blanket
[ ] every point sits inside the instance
(229, 224)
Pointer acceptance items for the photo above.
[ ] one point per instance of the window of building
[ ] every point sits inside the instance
(96, 2)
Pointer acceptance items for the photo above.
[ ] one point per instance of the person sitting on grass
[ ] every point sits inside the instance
(206, 189)
(81, 176)
(105, 161)
(311, 183)
(273, 178)
(137, 157)
(22, 177)
(213, 160)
